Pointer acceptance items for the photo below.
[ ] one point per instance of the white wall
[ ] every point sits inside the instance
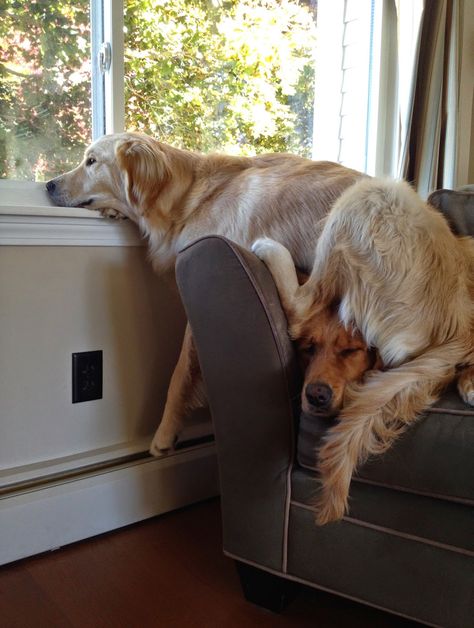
(66, 470)
(59, 300)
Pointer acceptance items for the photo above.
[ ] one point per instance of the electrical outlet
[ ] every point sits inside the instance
(86, 376)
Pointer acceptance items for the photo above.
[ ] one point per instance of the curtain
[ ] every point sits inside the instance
(427, 110)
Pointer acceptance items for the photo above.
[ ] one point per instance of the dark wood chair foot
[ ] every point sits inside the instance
(265, 589)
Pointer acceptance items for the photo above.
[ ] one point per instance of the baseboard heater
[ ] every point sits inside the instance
(94, 468)
(73, 499)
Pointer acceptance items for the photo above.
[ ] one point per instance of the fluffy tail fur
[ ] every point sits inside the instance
(375, 415)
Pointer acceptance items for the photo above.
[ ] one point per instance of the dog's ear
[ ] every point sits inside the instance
(146, 170)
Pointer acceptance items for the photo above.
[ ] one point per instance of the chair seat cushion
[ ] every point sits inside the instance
(435, 457)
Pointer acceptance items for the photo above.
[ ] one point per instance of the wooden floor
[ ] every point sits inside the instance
(163, 573)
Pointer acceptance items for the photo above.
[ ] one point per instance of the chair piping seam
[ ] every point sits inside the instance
(397, 533)
(403, 489)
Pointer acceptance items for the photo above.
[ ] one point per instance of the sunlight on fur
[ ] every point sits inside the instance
(407, 283)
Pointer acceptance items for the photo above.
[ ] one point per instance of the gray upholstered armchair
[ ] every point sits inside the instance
(406, 546)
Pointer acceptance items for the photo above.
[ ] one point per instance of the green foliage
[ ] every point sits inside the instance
(229, 75)
(235, 76)
(44, 86)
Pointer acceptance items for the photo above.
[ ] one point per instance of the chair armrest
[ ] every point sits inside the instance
(457, 207)
(252, 382)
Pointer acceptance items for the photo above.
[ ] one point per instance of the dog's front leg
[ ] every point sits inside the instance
(335, 468)
(112, 213)
(185, 393)
(280, 263)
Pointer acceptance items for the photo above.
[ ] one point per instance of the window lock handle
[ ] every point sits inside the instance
(105, 57)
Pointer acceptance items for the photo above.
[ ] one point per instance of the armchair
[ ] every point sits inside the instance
(407, 544)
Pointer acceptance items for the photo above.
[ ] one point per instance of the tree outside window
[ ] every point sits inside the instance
(232, 76)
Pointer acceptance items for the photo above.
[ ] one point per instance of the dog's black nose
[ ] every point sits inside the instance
(51, 186)
(319, 395)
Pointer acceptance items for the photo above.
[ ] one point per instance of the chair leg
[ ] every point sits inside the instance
(265, 589)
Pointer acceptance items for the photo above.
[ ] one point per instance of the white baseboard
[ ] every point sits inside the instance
(50, 516)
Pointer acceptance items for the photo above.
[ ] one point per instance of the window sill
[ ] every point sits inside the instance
(28, 219)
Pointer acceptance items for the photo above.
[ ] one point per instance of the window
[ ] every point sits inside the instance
(235, 76)
(312, 77)
(45, 87)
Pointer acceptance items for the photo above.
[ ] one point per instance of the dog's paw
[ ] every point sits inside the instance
(163, 441)
(466, 386)
(112, 213)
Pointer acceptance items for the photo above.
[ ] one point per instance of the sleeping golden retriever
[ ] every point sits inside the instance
(176, 196)
(332, 356)
(407, 283)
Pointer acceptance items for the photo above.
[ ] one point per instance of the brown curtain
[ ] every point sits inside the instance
(429, 160)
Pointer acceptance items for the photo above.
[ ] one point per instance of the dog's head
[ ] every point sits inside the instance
(125, 173)
(332, 357)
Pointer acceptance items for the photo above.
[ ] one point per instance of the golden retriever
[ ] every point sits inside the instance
(332, 356)
(407, 283)
(176, 196)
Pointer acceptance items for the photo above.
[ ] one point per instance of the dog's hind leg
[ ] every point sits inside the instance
(185, 393)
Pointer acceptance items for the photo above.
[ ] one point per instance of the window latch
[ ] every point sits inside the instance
(105, 57)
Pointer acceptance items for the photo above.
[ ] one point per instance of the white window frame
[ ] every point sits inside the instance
(108, 77)
(98, 79)
(358, 93)
(114, 91)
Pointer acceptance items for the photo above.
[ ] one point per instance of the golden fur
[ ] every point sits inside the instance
(176, 196)
(407, 283)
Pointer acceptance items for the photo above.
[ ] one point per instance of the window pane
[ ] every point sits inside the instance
(230, 75)
(45, 78)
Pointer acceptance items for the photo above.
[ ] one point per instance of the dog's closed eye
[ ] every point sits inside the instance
(347, 352)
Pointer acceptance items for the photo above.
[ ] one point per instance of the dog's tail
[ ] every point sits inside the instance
(375, 415)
